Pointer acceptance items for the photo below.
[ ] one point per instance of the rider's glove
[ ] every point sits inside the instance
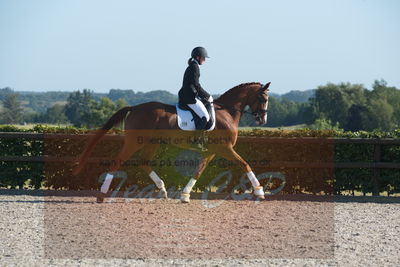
(210, 99)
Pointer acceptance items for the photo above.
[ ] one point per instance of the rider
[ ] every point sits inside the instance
(191, 92)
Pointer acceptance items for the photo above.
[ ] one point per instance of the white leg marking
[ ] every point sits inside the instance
(107, 182)
(159, 183)
(189, 186)
(253, 179)
(185, 195)
(258, 189)
(156, 179)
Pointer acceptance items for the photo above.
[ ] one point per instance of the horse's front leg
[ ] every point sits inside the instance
(149, 152)
(230, 154)
(185, 195)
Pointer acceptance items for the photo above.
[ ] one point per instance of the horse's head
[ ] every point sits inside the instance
(258, 103)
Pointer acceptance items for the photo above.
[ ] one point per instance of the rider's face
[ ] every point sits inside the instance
(201, 60)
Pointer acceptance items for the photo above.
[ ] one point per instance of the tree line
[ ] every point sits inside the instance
(350, 107)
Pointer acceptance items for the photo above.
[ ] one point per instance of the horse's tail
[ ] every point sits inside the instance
(116, 118)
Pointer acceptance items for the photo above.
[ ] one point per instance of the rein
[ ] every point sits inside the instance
(241, 111)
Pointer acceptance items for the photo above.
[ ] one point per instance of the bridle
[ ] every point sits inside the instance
(258, 113)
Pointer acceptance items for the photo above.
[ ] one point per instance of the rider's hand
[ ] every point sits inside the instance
(210, 99)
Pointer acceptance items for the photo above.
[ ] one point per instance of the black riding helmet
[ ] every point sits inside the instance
(199, 52)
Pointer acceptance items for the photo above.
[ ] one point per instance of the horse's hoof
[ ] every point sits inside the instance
(185, 198)
(260, 197)
(259, 193)
(163, 194)
(100, 197)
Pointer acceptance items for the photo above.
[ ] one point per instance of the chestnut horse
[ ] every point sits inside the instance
(152, 119)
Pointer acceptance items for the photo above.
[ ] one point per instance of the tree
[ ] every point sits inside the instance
(276, 112)
(4, 92)
(12, 110)
(78, 104)
(311, 112)
(120, 103)
(98, 112)
(324, 124)
(82, 109)
(283, 112)
(332, 103)
(380, 115)
(292, 113)
(339, 103)
(355, 107)
(391, 95)
(358, 118)
(56, 114)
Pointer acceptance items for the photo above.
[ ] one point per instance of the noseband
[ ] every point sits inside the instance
(258, 113)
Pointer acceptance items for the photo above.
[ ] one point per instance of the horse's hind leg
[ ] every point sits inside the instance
(149, 152)
(131, 145)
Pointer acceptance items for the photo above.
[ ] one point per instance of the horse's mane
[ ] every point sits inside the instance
(233, 90)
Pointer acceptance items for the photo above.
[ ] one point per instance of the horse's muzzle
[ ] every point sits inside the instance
(260, 120)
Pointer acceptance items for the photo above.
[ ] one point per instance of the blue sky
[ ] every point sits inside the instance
(49, 45)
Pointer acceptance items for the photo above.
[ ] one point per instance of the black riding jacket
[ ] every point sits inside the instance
(191, 86)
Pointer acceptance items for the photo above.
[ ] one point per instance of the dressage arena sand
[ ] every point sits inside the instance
(281, 231)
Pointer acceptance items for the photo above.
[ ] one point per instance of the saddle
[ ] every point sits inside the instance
(187, 119)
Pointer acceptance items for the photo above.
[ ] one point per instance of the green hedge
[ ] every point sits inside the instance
(57, 175)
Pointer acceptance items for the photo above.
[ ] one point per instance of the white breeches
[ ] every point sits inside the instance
(200, 109)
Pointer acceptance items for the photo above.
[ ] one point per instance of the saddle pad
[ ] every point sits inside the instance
(186, 122)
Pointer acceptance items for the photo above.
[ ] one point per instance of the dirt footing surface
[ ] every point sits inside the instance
(73, 230)
(168, 229)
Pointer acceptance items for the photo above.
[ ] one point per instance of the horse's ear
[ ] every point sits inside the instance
(265, 88)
